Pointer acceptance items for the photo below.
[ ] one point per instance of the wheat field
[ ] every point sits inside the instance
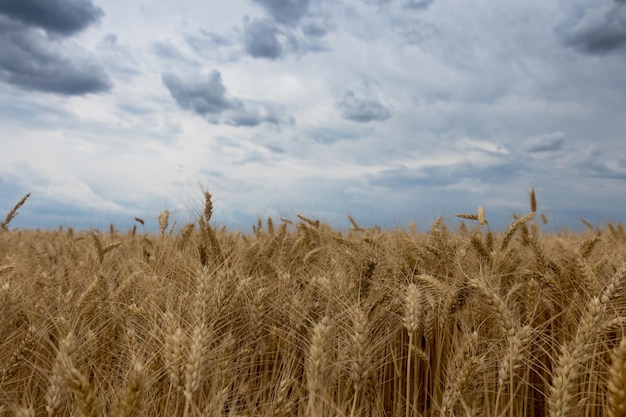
(300, 319)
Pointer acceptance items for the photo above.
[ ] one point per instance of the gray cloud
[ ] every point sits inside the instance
(261, 41)
(599, 30)
(418, 4)
(593, 163)
(31, 61)
(287, 12)
(34, 60)
(206, 95)
(362, 110)
(63, 17)
(253, 114)
(547, 143)
(500, 172)
(330, 136)
(314, 30)
(201, 96)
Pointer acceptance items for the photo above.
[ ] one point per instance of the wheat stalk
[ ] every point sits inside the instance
(163, 221)
(12, 213)
(128, 404)
(616, 401)
(412, 321)
(497, 305)
(361, 364)
(510, 231)
(459, 373)
(317, 362)
(567, 370)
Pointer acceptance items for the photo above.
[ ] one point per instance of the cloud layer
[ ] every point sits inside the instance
(391, 110)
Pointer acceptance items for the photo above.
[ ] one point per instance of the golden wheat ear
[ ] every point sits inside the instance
(11, 215)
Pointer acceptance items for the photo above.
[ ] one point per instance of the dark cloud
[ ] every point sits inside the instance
(31, 61)
(36, 60)
(594, 164)
(201, 95)
(63, 17)
(599, 30)
(251, 114)
(362, 110)
(261, 40)
(314, 30)
(548, 145)
(206, 95)
(418, 4)
(287, 12)
(167, 51)
(441, 176)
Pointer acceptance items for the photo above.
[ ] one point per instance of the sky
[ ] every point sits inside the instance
(393, 111)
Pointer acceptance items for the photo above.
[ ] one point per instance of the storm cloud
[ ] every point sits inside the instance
(31, 61)
(362, 110)
(261, 41)
(206, 95)
(600, 30)
(287, 12)
(202, 95)
(45, 61)
(64, 17)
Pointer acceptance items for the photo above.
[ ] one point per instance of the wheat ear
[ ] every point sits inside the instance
(567, 369)
(11, 214)
(412, 321)
(459, 373)
(508, 235)
(361, 366)
(129, 404)
(616, 402)
(317, 362)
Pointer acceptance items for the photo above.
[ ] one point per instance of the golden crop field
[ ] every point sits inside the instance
(300, 319)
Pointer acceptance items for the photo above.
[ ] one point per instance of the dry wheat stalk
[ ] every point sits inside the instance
(512, 360)
(57, 380)
(589, 278)
(24, 411)
(172, 356)
(361, 362)
(98, 245)
(510, 231)
(17, 355)
(215, 404)
(586, 223)
(83, 392)
(282, 405)
(413, 311)
(573, 353)
(412, 320)
(533, 201)
(503, 314)
(208, 207)
(459, 373)
(163, 221)
(195, 361)
(317, 362)
(616, 401)
(128, 405)
(11, 214)
(615, 285)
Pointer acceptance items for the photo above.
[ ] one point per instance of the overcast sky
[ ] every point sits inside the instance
(390, 110)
